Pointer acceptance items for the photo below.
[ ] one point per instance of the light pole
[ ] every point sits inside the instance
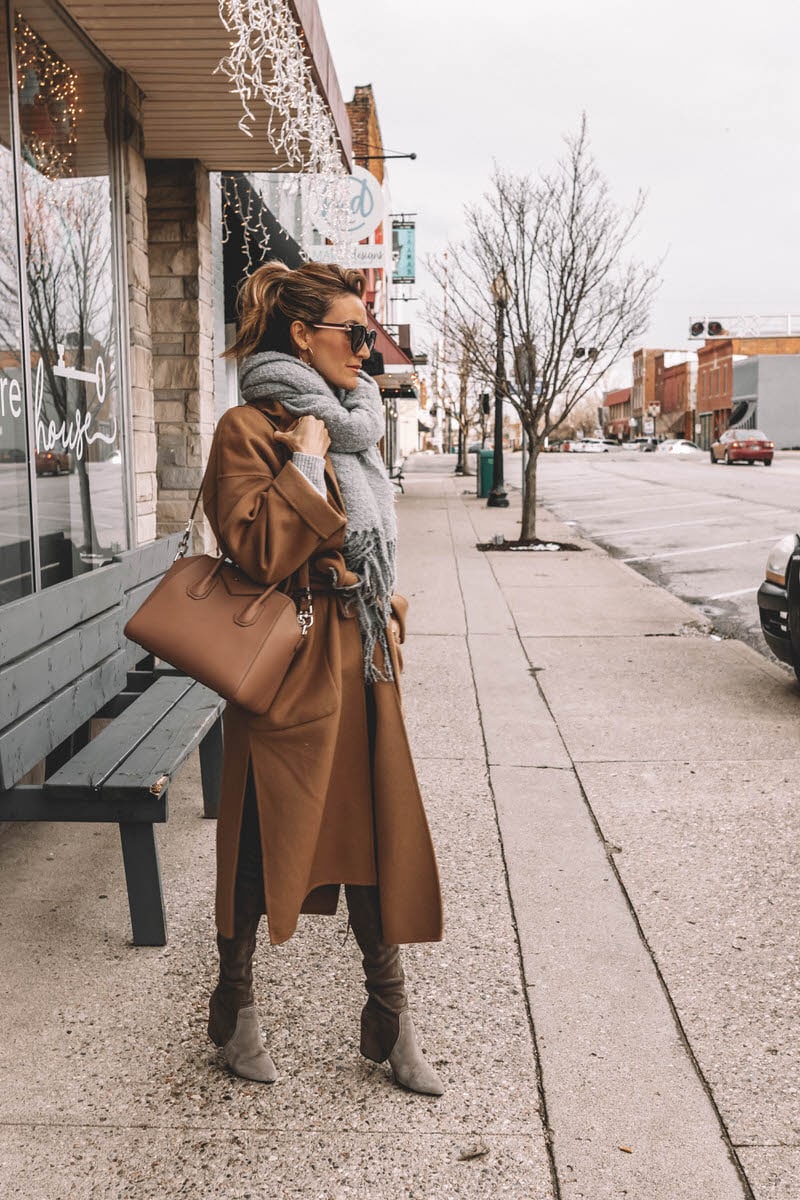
(501, 294)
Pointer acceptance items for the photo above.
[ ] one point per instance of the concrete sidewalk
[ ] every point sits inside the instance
(630, 944)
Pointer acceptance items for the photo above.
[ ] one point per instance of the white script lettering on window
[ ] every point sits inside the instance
(78, 431)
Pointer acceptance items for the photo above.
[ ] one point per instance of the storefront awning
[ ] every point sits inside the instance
(171, 49)
(386, 346)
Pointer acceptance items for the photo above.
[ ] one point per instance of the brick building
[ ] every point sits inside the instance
(715, 362)
(675, 394)
(617, 413)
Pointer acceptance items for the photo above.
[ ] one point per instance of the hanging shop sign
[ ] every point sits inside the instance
(354, 216)
(350, 254)
(403, 251)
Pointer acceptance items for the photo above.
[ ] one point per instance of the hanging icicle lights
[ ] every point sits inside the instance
(268, 62)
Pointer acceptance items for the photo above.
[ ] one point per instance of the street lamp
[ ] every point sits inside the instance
(501, 294)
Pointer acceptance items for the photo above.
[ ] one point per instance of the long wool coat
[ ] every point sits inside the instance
(329, 811)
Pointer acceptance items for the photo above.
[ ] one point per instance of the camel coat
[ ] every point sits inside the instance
(337, 795)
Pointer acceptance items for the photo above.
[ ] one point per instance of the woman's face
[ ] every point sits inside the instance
(331, 354)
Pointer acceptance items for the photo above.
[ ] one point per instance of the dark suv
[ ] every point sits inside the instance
(779, 601)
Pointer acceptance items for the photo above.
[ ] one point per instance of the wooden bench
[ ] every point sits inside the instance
(65, 661)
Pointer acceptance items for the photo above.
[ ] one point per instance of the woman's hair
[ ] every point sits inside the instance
(274, 296)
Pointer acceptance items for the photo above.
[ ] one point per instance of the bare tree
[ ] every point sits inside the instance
(581, 419)
(578, 298)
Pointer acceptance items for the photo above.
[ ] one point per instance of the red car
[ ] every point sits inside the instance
(743, 445)
(54, 462)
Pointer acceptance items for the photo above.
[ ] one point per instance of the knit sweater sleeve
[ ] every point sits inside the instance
(312, 467)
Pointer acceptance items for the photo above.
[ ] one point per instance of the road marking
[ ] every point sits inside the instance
(680, 524)
(698, 550)
(649, 508)
(730, 595)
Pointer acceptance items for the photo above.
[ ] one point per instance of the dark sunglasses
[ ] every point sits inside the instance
(359, 334)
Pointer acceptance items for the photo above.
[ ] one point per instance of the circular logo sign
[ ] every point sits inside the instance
(353, 215)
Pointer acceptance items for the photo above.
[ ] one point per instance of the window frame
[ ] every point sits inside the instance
(116, 180)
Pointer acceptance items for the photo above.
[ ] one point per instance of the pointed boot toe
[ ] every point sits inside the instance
(245, 1052)
(409, 1064)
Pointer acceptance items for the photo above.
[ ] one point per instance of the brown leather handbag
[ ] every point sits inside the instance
(208, 619)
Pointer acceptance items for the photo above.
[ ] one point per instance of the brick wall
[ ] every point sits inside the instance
(179, 244)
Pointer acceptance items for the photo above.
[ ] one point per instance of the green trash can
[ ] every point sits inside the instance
(485, 472)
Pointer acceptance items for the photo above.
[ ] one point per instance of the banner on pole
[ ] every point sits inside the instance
(403, 251)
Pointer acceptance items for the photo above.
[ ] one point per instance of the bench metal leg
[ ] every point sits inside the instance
(143, 877)
(211, 769)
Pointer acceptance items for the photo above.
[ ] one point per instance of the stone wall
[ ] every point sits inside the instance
(140, 345)
(181, 321)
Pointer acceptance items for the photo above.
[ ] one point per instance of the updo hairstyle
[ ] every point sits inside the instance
(274, 296)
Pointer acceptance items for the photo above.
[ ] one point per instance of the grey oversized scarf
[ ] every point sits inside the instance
(355, 424)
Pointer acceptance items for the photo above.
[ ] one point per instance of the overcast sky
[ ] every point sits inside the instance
(696, 103)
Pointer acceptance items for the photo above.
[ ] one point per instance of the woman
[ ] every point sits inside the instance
(321, 790)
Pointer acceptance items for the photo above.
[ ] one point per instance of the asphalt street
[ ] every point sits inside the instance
(703, 532)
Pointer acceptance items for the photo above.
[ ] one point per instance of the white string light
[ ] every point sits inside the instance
(268, 61)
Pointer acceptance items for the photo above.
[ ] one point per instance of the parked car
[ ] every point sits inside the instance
(640, 443)
(589, 446)
(743, 445)
(53, 462)
(779, 601)
(679, 446)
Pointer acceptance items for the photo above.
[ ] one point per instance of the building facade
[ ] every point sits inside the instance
(675, 394)
(715, 363)
(766, 396)
(617, 413)
(110, 224)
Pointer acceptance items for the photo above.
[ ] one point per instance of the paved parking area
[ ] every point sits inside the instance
(701, 531)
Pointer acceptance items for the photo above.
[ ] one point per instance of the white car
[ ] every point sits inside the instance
(589, 446)
(682, 447)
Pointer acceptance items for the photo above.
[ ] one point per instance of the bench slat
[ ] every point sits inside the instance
(27, 742)
(105, 753)
(181, 731)
(147, 562)
(32, 802)
(30, 681)
(30, 622)
(134, 599)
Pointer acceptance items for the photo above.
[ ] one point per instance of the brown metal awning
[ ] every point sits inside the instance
(171, 48)
(385, 344)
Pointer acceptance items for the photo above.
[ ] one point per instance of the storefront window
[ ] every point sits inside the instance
(63, 94)
(16, 577)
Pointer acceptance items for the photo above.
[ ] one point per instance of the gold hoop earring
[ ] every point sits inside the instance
(309, 352)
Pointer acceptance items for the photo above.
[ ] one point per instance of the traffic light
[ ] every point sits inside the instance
(698, 328)
(486, 403)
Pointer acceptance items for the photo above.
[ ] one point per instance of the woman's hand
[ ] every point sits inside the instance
(307, 436)
(394, 626)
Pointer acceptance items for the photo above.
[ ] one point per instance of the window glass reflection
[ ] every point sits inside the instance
(69, 251)
(15, 549)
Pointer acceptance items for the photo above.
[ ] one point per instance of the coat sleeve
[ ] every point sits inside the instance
(265, 513)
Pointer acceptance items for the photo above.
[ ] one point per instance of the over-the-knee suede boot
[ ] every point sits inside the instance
(387, 1030)
(233, 1020)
